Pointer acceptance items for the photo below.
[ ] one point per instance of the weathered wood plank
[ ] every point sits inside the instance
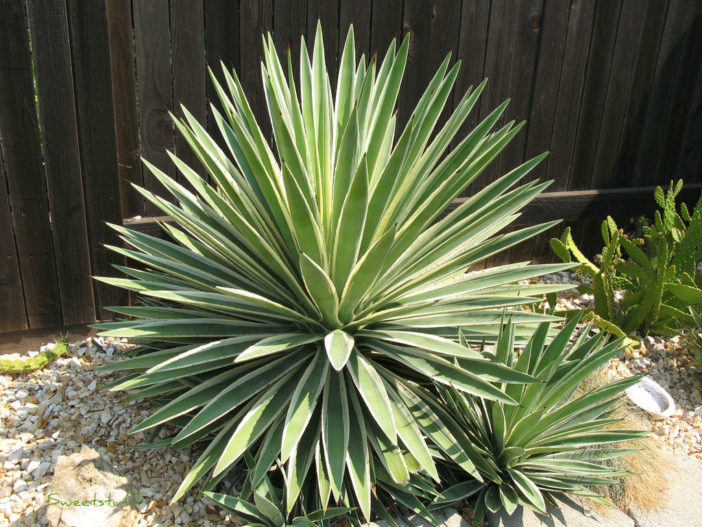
(188, 42)
(642, 85)
(155, 90)
(690, 161)
(690, 58)
(570, 92)
(25, 174)
(13, 315)
(221, 45)
(504, 64)
(291, 24)
(255, 18)
(527, 35)
(522, 252)
(119, 19)
(568, 206)
(433, 27)
(96, 132)
(546, 83)
(352, 12)
(595, 92)
(327, 13)
(581, 204)
(471, 51)
(542, 247)
(386, 24)
(623, 61)
(662, 95)
(54, 77)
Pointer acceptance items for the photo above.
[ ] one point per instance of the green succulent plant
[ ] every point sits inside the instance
(694, 338)
(266, 507)
(265, 504)
(656, 274)
(12, 367)
(550, 442)
(300, 293)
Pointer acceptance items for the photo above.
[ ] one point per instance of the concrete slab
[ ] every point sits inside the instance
(683, 502)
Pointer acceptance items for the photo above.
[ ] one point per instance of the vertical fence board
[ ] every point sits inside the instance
(256, 18)
(96, 131)
(119, 19)
(386, 24)
(290, 24)
(690, 57)
(542, 247)
(154, 90)
(498, 62)
(433, 27)
(570, 91)
(352, 12)
(527, 35)
(221, 48)
(642, 85)
(623, 61)
(25, 174)
(13, 315)
(599, 66)
(471, 50)
(547, 82)
(188, 42)
(327, 13)
(653, 129)
(690, 161)
(52, 64)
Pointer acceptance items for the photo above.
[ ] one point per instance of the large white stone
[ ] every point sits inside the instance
(82, 477)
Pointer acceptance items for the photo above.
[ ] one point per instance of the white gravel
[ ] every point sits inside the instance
(56, 410)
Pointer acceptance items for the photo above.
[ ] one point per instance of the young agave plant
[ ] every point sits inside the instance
(266, 509)
(301, 292)
(552, 441)
(265, 505)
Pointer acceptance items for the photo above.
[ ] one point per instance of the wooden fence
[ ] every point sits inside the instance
(612, 88)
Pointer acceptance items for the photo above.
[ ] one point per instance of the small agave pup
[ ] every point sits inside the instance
(551, 442)
(302, 295)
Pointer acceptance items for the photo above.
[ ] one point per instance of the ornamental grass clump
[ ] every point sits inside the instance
(302, 294)
(555, 441)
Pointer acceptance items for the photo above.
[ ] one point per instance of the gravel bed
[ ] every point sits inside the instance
(57, 410)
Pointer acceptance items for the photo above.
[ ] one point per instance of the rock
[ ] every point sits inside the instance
(682, 503)
(32, 465)
(86, 477)
(571, 512)
(19, 485)
(17, 454)
(42, 469)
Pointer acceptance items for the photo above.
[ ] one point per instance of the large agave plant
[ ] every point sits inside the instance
(553, 442)
(302, 294)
